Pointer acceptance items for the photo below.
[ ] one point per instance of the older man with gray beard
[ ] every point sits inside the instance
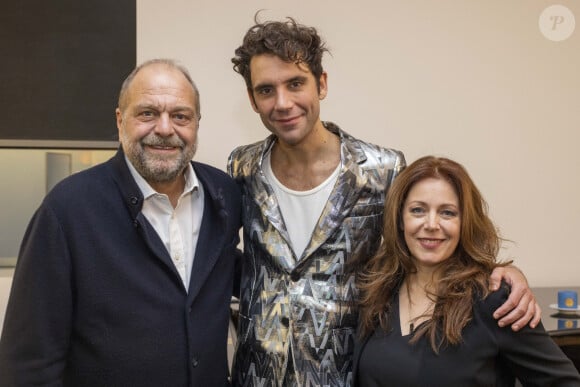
(123, 264)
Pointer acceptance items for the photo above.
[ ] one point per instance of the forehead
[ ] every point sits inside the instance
(268, 68)
(433, 190)
(161, 81)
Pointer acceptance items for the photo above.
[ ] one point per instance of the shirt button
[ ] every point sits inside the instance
(194, 362)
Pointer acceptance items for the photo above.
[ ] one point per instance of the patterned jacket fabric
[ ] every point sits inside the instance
(298, 314)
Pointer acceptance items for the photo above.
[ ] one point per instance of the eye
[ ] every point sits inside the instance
(296, 84)
(264, 91)
(181, 118)
(146, 114)
(416, 210)
(448, 213)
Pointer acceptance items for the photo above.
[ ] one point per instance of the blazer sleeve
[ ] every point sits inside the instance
(531, 355)
(37, 326)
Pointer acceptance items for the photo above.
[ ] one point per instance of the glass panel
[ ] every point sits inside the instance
(26, 174)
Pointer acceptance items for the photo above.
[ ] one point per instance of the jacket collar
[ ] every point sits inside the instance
(344, 195)
(130, 191)
(212, 235)
(211, 239)
(349, 185)
(133, 196)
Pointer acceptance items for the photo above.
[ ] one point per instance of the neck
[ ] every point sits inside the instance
(417, 299)
(417, 288)
(306, 165)
(320, 144)
(173, 189)
(423, 278)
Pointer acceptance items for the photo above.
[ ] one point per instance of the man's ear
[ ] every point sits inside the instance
(252, 99)
(323, 85)
(119, 117)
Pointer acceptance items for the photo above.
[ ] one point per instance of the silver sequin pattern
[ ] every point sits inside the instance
(298, 315)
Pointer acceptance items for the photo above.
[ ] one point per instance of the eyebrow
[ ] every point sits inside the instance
(285, 82)
(143, 106)
(297, 78)
(262, 86)
(442, 205)
(157, 108)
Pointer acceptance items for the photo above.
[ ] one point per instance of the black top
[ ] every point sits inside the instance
(488, 356)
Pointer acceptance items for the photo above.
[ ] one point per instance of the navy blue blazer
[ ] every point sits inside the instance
(97, 301)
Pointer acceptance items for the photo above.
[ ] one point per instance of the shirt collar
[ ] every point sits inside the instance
(191, 181)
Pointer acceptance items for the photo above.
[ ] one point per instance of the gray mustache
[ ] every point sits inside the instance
(158, 141)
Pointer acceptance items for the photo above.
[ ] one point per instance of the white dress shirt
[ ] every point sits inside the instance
(178, 228)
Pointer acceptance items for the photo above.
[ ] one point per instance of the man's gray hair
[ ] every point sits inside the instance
(168, 62)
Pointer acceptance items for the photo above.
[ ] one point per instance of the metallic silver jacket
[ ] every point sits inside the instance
(298, 314)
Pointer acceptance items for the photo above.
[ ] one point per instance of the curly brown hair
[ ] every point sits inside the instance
(288, 40)
(465, 275)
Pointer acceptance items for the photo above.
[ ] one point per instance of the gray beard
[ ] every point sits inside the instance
(152, 171)
(155, 169)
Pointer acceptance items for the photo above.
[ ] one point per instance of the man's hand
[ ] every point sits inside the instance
(521, 307)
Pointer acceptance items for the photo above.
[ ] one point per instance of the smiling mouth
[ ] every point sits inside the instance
(287, 120)
(162, 147)
(430, 242)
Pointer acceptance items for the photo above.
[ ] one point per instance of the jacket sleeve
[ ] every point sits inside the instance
(531, 355)
(37, 326)
(231, 166)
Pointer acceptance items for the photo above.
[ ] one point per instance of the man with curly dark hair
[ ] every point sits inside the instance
(313, 198)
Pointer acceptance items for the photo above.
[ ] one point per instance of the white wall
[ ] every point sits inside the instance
(473, 80)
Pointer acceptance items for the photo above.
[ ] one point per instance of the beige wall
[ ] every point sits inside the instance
(5, 283)
(473, 80)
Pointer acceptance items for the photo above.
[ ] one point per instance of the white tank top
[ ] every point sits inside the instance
(300, 209)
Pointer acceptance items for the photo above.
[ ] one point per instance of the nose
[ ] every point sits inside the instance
(283, 100)
(164, 126)
(432, 221)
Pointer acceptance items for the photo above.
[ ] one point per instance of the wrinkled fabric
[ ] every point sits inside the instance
(298, 314)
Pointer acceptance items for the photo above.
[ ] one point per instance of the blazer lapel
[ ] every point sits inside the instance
(266, 198)
(155, 244)
(211, 238)
(270, 208)
(134, 202)
(343, 197)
